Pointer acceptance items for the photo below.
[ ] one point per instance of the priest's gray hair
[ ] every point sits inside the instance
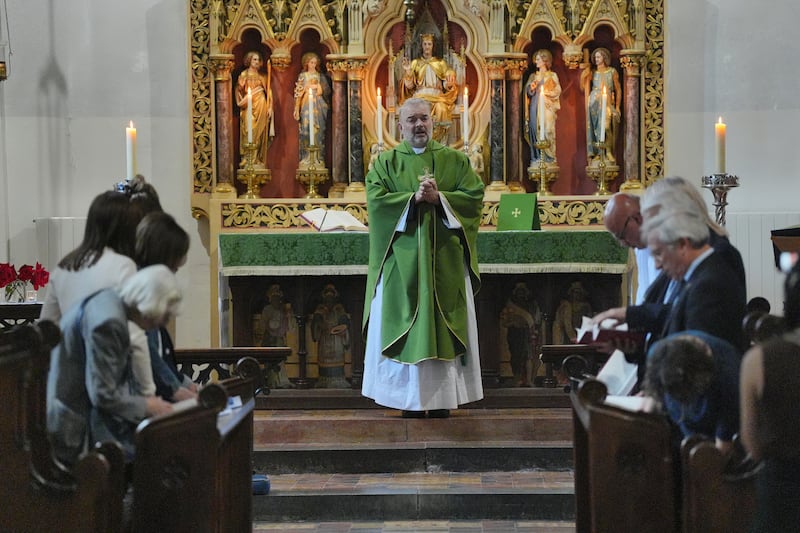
(153, 291)
(412, 102)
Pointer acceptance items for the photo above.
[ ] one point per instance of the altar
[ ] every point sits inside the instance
(548, 264)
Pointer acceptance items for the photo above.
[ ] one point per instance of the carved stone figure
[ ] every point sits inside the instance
(311, 94)
(543, 92)
(330, 329)
(569, 314)
(603, 97)
(521, 318)
(277, 320)
(263, 126)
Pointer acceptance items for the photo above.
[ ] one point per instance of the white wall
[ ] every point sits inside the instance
(81, 69)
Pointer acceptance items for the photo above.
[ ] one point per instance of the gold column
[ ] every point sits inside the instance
(515, 66)
(496, 67)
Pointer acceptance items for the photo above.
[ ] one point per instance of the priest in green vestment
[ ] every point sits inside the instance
(424, 203)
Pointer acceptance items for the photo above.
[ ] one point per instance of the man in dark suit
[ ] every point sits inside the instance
(708, 294)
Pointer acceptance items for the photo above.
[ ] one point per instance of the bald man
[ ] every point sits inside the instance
(623, 220)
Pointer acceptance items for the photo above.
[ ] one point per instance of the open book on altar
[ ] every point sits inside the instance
(607, 331)
(323, 219)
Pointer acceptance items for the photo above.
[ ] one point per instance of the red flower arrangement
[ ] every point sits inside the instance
(15, 282)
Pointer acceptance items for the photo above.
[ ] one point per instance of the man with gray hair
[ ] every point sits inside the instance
(707, 293)
(91, 392)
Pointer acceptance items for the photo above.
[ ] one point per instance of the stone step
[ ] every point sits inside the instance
(497, 398)
(356, 428)
(422, 457)
(530, 495)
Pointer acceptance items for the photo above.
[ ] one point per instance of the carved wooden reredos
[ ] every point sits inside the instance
(361, 44)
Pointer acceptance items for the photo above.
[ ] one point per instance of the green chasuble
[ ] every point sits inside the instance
(424, 313)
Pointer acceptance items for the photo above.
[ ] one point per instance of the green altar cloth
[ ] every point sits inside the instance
(291, 253)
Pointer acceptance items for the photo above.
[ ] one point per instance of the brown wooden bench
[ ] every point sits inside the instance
(630, 474)
(47, 496)
(193, 467)
(625, 476)
(719, 492)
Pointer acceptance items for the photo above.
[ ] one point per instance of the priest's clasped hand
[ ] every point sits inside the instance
(427, 192)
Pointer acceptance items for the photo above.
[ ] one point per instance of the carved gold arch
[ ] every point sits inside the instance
(543, 13)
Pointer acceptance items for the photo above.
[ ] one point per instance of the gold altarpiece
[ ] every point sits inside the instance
(359, 43)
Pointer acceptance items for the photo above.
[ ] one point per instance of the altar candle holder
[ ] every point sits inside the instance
(249, 174)
(312, 172)
(602, 170)
(542, 171)
(719, 185)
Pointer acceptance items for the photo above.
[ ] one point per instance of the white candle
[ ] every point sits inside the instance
(130, 150)
(540, 112)
(465, 116)
(249, 116)
(379, 112)
(719, 131)
(604, 102)
(311, 116)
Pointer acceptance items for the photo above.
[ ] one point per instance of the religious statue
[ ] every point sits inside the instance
(311, 93)
(476, 159)
(277, 320)
(570, 313)
(521, 319)
(431, 79)
(603, 94)
(543, 92)
(330, 329)
(261, 126)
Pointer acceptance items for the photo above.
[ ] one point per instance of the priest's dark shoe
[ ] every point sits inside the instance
(439, 413)
(413, 414)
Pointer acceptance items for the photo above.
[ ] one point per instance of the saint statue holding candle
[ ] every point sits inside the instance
(262, 124)
(311, 93)
(431, 79)
(543, 92)
(603, 95)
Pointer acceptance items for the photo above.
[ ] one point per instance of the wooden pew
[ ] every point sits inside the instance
(193, 467)
(718, 494)
(625, 477)
(46, 496)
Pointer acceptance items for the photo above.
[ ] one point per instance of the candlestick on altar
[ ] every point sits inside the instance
(379, 114)
(719, 134)
(249, 116)
(540, 114)
(130, 151)
(464, 117)
(311, 116)
(604, 103)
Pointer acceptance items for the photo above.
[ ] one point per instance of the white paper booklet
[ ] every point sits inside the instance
(630, 403)
(323, 219)
(618, 375)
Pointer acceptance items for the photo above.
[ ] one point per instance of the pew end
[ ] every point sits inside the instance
(624, 465)
(47, 496)
(719, 492)
(193, 467)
